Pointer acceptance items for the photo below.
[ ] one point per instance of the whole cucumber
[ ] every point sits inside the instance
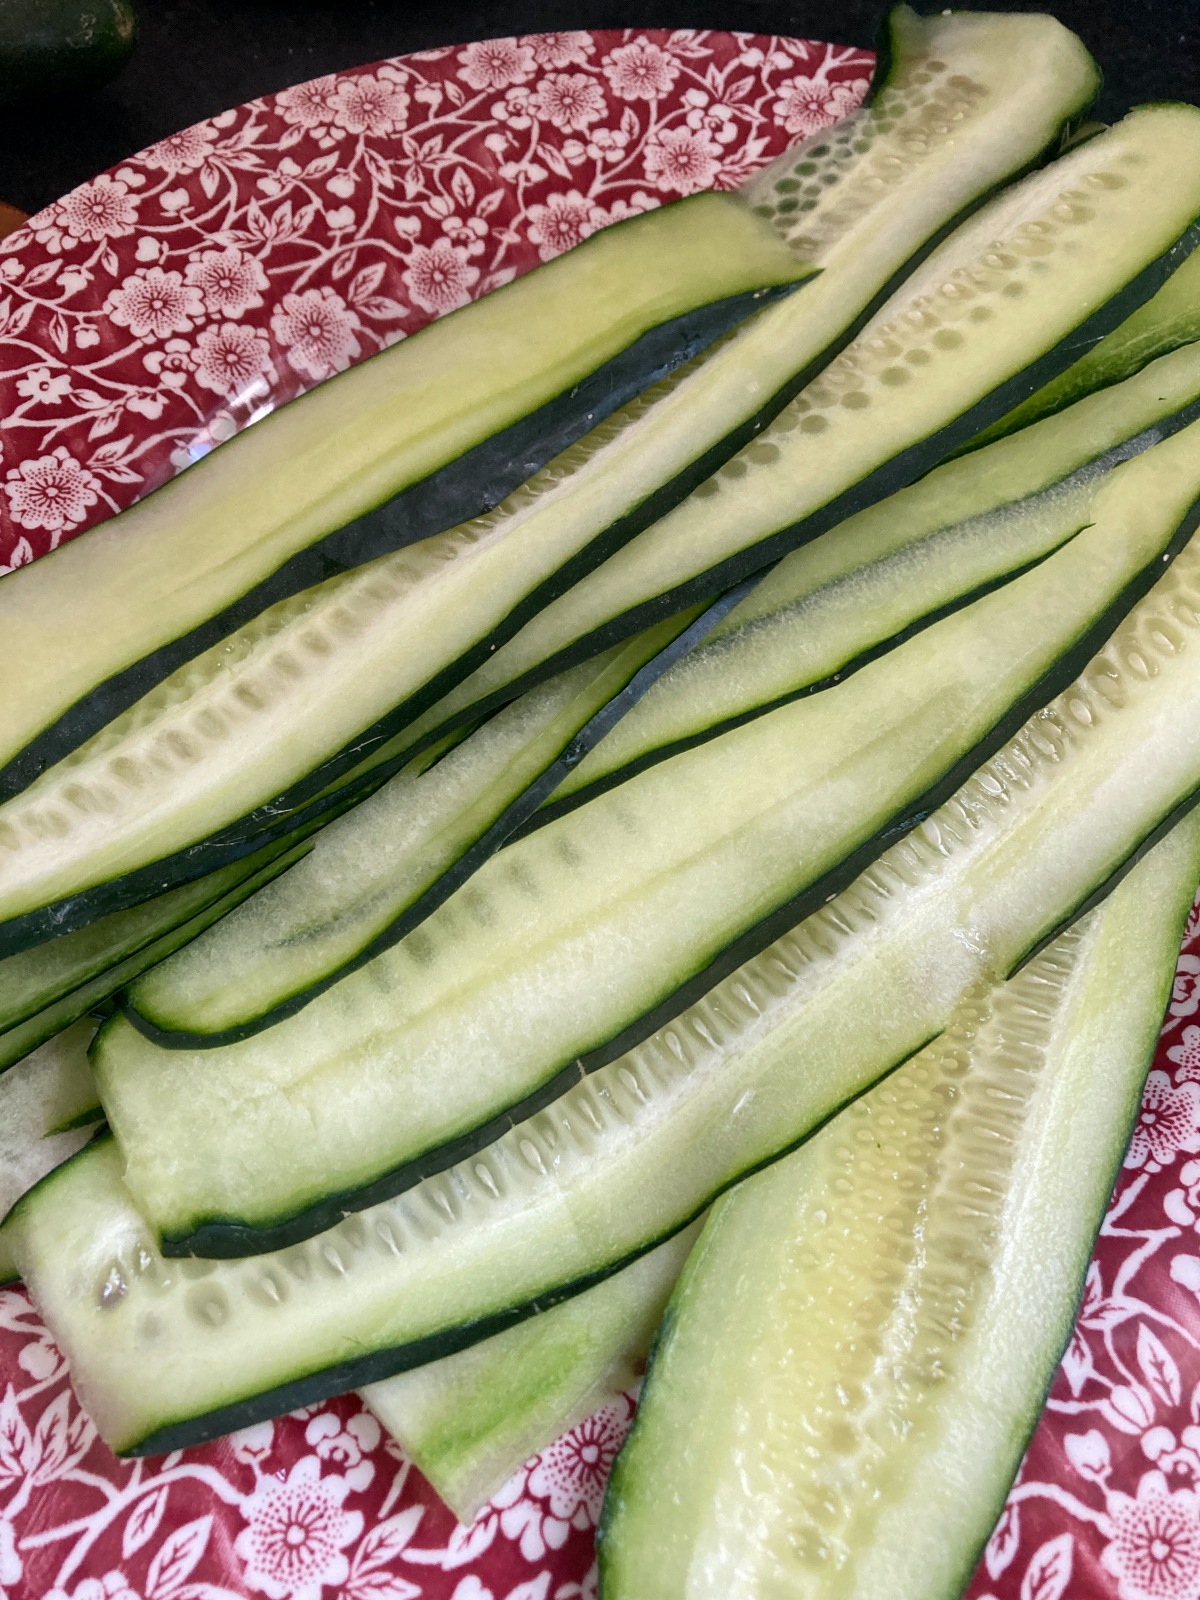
(54, 47)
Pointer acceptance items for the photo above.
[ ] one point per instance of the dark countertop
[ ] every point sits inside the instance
(197, 57)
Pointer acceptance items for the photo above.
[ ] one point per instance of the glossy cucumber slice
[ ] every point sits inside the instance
(856, 1356)
(569, 946)
(469, 1420)
(1003, 305)
(865, 586)
(166, 1353)
(378, 872)
(165, 574)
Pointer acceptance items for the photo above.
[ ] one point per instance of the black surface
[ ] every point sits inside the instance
(197, 57)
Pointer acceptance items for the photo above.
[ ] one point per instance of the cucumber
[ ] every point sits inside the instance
(62, 47)
(46, 1105)
(825, 611)
(411, 625)
(470, 1420)
(167, 1353)
(1007, 302)
(867, 585)
(379, 871)
(569, 946)
(312, 488)
(859, 1349)
(1167, 321)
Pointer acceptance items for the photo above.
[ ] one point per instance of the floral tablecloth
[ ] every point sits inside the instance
(151, 314)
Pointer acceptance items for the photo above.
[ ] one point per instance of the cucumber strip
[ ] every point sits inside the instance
(377, 873)
(165, 1354)
(253, 873)
(453, 603)
(261, 518)
(573, 943)
(470, 1420)
(864, 587)
(1167, 321)
(44, 1106)
(862, 1341)
(1007, 302)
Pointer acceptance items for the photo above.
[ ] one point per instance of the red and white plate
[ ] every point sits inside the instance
(173, 300)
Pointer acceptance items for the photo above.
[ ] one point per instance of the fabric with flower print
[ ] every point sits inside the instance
(161, 307)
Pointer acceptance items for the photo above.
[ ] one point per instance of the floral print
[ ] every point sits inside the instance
(231, 357)
(807, 105)
(296, 1534)
(230, 282)
(318, 332)
(1169, 1122)
(641, 71)
(496, 63)
(681, 160)
(155, 304)
(1154, 1551)
(440, 278)
(54, 492)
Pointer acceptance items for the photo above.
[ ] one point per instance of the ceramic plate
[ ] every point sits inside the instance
(179, 297)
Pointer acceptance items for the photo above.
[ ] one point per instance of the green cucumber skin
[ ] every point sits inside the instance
(227, 1238)
(427, 507)
(58, 47)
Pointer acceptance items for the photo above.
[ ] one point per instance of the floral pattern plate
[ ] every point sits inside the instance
(177, 298)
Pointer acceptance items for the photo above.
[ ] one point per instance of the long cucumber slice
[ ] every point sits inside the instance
(825, 611)
(46, 1105)
(567, 947)
(165, 1353)
(865, 586)
(380, 870)
(438, 610)
(1167, 321)
(1007, 302)
(861, 1344)
(471, 1419)
(262, 518)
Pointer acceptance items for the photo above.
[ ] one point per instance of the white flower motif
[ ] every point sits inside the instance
(571, 1474)
(562, 222)
(439, 277)
(1185, 991)
(1154, 1552)
(677, 158)
(806, 105)
(318, 332)
(42, 386)
(570, 49)
(640, 71)
(102, 209)
(52, 492)
(347, 1446)
(1186, 1054)
(308, 105)
(184, 151)
(11, 1567)
(229, 281)
(230, 357)
(112, 1586)
(365, 104)
(1168, 1123)
(495, 63)
(40, 1359)
(171, 363)
(152, 303)
(569, 100)
(296, 1532)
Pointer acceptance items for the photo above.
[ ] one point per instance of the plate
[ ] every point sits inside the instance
(178, 298)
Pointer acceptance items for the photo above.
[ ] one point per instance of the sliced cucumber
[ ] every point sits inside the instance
(470, 1420)
(89, 630)
(569, 946)
(861, 1344)
(46, 1105)
(413, 625)
(379, 871)
(1167, 321)
(1008, 301)
(165, 1353)
(865, 586)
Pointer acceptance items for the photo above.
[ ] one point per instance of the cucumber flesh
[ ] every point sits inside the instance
(379, 871)
(45, 1105)
(452, 605)
(471, 1419)
(1002, 306)
(1167, 321)
(218, 535)
(571, 944)
(861, 1344)
(167, 1353)
(865, 586)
